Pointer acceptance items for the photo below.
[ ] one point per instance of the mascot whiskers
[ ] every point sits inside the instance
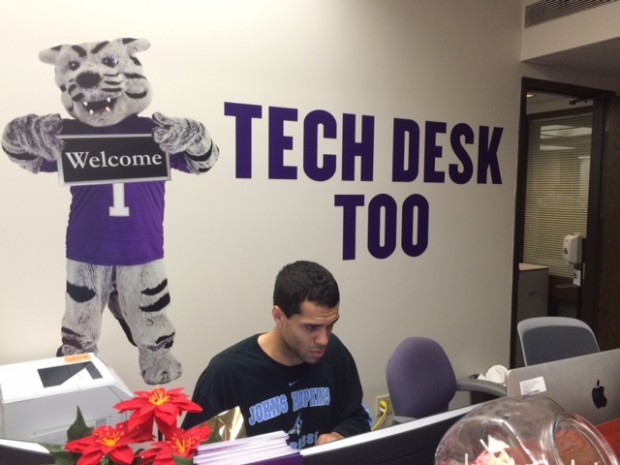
(114, 255)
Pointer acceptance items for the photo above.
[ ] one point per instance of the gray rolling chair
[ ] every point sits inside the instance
(548, 338)
(421, 380)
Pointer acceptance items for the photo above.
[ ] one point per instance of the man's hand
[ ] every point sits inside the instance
(329, 437)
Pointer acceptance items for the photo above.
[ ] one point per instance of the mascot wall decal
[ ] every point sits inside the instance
(114, 256)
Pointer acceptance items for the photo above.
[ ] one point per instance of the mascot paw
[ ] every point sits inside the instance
(176, 135)
(159, 367)
(34, 135)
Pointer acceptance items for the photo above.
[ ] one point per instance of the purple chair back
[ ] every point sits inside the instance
(420, 378)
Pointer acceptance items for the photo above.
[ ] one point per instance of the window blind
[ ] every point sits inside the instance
(556, 199)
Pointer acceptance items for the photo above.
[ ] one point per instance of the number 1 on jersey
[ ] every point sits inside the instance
(118, 207)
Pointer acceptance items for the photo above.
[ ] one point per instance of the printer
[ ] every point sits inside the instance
(39, 399)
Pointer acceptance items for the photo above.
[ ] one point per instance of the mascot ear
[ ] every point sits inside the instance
(135, 45)
(50, 55)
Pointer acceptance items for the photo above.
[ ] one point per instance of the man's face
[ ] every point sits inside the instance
(305, 335)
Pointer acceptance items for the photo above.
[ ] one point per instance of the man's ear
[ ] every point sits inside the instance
(278, 315)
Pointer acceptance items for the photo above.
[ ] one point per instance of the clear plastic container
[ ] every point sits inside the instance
(526, 430)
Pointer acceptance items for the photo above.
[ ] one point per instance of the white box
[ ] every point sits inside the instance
(39, 399)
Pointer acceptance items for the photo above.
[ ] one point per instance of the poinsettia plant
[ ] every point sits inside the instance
(133, 442)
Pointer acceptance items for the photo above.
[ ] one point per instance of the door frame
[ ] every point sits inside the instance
(588, 301)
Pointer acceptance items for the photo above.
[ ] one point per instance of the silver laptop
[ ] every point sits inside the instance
(588, 385)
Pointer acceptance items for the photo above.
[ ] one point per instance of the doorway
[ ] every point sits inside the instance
(558, 190)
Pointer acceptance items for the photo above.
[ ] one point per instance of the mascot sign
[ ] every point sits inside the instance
(115, 232)
(96, 159)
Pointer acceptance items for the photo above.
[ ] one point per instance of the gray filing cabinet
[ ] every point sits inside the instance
(533, 295)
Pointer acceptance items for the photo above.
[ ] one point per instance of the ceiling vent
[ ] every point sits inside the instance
(546, 10)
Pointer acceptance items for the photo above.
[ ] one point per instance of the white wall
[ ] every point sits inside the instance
(226, 238)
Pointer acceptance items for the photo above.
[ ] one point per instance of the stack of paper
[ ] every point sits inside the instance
(265, 449)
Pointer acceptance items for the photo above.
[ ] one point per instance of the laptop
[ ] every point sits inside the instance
(588, 385)
(23, 453)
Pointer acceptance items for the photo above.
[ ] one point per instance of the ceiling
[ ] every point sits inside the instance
(601, 59)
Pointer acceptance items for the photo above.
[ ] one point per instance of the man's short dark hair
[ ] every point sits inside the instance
(301, 281)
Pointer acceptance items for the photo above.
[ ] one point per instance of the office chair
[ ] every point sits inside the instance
(421, 380)
(548, 338)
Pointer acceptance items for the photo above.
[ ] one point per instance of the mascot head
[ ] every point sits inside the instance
(102, 83)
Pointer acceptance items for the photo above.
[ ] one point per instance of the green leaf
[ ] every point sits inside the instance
(61, 456)
(52, 447)
(64, 457)
(181, 460)
(78, 429)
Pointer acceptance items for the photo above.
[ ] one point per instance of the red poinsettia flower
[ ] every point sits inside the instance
(111, 441)
(179, 443)
(158, 405)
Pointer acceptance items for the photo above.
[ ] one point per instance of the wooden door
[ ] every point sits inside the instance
(607, 314)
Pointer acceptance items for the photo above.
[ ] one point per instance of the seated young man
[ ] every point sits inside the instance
(299, 377)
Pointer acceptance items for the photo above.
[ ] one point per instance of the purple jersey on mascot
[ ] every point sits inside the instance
(94, 234)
